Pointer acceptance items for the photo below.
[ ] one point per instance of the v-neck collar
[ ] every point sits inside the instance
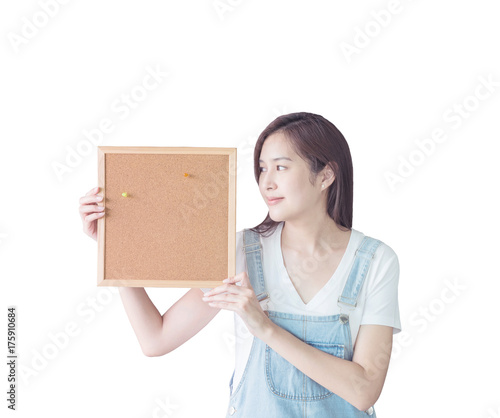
(321, 293)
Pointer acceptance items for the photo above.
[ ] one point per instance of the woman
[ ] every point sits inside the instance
(315, 302)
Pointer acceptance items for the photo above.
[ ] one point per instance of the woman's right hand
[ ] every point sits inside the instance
(90, 212)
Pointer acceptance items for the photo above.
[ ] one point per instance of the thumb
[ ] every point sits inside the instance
(245, 280)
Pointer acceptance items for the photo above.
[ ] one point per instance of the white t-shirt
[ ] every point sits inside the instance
(377, 300)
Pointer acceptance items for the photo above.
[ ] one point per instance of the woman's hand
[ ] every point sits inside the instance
(243, 301)
(90, 212)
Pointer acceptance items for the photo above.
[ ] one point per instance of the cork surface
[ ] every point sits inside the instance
(171, 230)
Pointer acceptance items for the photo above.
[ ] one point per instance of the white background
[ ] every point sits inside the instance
(231, 71)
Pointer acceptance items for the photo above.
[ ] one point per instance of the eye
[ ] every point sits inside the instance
(260, 168)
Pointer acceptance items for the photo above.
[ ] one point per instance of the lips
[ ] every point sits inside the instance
(273, 199)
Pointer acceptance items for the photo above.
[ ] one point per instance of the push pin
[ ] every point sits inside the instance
(125, 194)
(186, 174)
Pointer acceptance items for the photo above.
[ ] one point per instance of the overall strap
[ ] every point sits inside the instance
(362, 260)
(253, 251)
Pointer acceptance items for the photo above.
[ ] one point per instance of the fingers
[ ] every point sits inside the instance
(230, 289)
(227, 297)
(84, 209)
(93, 216)
(219, 289)
(90, 210)
(91, 197)
(93, 191)
(239, 277)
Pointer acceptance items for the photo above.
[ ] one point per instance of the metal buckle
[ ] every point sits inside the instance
(353, 306)
(344, 318)
(343, 315)
(363, 252)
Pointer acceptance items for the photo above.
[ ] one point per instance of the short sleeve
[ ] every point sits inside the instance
(381, 303)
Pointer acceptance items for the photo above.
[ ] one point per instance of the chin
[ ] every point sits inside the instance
(276, 217)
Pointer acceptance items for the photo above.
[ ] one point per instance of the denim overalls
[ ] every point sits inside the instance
(271, 387)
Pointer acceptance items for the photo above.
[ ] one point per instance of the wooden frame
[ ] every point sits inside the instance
(176, 225)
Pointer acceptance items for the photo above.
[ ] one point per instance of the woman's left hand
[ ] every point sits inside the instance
(243, 301)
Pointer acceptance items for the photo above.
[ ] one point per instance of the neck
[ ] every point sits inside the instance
(314, 237)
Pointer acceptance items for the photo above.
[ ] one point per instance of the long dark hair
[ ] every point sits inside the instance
(317, 141)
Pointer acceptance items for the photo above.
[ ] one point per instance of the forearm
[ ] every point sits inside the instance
(342, 377)
(143, 315)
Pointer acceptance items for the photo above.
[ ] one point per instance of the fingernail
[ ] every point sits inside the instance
(99, 198)
(225, 280)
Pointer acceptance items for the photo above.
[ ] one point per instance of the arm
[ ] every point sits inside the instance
(157, 334)
(359, 381)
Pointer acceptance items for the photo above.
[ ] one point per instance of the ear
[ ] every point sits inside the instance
(329, 173)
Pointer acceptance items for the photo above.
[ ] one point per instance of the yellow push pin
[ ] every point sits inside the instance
(186, 174)
(125, 194)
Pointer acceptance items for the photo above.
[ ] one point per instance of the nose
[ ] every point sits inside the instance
(267, 181)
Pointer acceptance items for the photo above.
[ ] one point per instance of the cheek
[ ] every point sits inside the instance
(296, 187)
(302, 193)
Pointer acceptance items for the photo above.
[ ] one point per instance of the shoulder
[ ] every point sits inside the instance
(383, 253)
(385, 263)
(266, 241)
(386, 254)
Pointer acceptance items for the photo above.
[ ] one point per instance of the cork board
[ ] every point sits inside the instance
(176, 227)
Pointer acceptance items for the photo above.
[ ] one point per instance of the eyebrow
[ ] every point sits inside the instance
(278, 158)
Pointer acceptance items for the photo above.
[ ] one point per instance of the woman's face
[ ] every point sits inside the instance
(288, 180)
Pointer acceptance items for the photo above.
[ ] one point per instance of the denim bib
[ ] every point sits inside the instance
(272, 387)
